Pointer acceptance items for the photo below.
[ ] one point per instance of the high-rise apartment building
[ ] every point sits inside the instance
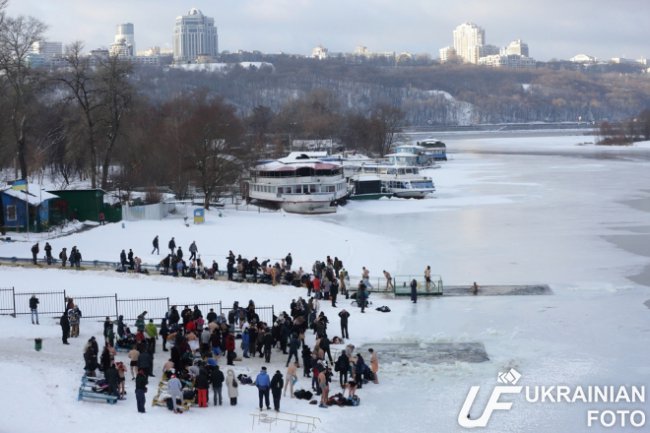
(125, 36)
(516, 47)
(194, 35)
(468, 37)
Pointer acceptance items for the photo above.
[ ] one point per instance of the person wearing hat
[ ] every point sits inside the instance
(263, 384)
(276, 389)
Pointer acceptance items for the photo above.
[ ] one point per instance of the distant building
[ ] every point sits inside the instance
(514, 61)
(583, 58)
(194, 35)
(448, 54)
(124, 41)
(121, 49)
(467, 38)
(47, 48)
(516, 47)
(484, 50)
(320, 53)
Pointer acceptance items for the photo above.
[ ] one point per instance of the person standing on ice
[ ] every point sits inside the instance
(65, 327)
(365, 277)
(35, 251)
(374, 365)
(123, 260)
(171, 245)
(33, 308)
(175, 388)
(414, 291)
(427, 277)
(344, 315)
(389, 280)
(63, 255)
(193, 250)
(231, 384)
(141, 382)
(277, 383)
(48, 253)
(263, 384)
(155, 246)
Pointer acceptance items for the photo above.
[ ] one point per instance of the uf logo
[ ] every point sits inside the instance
(493, 403)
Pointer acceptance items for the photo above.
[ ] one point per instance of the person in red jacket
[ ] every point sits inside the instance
(230, 348)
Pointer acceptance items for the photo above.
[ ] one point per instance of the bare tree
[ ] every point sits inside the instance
(3, 6)
(103, 95)
(387, 120)
(17, 35)
(116, 99)
(213, 136)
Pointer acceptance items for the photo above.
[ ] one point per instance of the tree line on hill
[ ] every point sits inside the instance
(116, 125)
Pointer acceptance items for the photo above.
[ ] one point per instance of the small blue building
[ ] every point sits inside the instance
(26, 206)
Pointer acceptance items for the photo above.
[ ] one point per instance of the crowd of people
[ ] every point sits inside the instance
(200, 346)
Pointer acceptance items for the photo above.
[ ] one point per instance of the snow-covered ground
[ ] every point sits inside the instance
(506, 211)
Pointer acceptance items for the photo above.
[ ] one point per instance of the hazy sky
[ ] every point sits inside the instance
(552, 28)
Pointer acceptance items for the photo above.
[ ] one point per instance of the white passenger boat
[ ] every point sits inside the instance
(298, 184)
(400, 180)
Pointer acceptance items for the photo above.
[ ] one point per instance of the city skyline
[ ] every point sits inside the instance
(552, 29)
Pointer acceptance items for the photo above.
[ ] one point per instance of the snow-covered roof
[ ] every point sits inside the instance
(34, 194)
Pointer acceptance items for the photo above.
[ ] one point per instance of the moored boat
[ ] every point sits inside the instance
(298, 184)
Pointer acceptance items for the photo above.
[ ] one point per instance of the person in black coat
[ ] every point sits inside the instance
(35, 251)
(131, 259)
(306, 360)
(359, 369)
(343, 367)
(414, 291)
(145, 362)
(325, 345)
(334, 291)
(123, 260)
(33, 308)
(155, 246)
(171, 245)
(65, 327)
(202, 384)
(217, 380)
(48, 253)
(141, 382)
(276, 389)
(113, 379)
(164, 332)
(344, 315)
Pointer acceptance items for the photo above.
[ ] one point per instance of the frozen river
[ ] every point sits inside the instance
(528, 210)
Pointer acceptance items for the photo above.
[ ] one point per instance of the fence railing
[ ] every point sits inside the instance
(7, 302)
(49, 302)
(94, 307)
(403, 285)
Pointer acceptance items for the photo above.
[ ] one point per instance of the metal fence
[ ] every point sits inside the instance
(96, 306)
(54, 303)
(156, 308)
(50, 303)
(403, 285)
(7, 301)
